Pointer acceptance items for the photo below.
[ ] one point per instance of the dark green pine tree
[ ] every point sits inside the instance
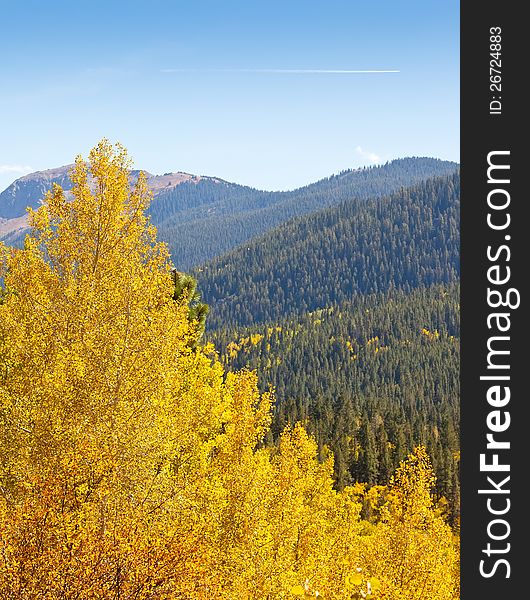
(368, 459)
(186, 286)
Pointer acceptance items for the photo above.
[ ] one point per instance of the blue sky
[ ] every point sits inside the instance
(229, 88)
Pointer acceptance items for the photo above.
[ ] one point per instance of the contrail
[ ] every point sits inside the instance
(288, 71)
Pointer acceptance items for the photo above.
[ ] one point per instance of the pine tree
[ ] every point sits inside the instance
(186, 289)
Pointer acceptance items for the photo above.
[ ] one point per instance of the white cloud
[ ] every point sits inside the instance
(18, 169)
(371, 157)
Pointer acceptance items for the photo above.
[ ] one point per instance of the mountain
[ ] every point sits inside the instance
(405, 240)
(203, 217)
(204, 221)
(29, 190)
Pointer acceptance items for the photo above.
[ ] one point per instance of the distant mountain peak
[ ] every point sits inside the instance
(47, 174)
(29, 190)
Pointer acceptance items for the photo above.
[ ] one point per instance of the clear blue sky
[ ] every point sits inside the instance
(207, 86)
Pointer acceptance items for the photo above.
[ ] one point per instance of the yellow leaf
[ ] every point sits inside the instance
(375, 583)
(354, 579)
(297, 590)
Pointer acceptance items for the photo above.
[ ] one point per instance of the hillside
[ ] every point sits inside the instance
(371, 378)
(220, 217)
(352, 315)
(405, 240)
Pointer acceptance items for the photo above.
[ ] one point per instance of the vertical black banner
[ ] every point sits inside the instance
(495, 261)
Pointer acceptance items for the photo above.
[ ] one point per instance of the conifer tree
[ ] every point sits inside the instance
(186, 289)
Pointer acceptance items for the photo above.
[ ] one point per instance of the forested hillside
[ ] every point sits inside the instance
(352, 315)
(203, 220)
(370, 378)
(405, 240)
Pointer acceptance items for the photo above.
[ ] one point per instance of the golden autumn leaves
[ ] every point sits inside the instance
(133, 466)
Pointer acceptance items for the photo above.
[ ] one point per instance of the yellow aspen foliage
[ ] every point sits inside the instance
(133, 466)
(412, 551)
